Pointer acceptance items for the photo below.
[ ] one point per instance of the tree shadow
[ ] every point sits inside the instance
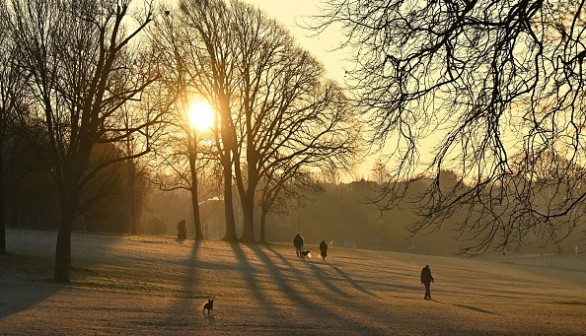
(248, 273)
(480, 310)
(181, 310)
(325, 279)
(320, 311)
(21, 283)
(284, 284)
(351, 281)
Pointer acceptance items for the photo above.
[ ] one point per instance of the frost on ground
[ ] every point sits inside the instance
(137, 285)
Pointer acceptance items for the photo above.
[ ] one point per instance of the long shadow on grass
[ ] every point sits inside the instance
(316, 309)
(351, 281)
(248, 273)
(279, 278)
(325, 279)
(476, 309)
(284, 284)
(271, 310)
(19, 290)
(321, 275)
(180, 311)
(299, 275)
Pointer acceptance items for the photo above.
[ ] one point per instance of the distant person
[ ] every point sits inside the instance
(426, 280)
(323, 249)
(181, 230)
(298, 243)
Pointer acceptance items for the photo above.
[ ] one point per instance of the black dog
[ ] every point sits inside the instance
(209, 306)
(305, 254)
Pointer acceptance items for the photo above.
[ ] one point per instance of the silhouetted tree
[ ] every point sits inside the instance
(185, 161)
(154, 100)
(288, 112)
(196, 36)
(481, 81)
(272, 100)
(188, 151)
(380, 173)
(82, 69)
(282, 189)
(12, 85)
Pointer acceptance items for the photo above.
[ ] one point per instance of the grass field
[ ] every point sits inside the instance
(137, 285)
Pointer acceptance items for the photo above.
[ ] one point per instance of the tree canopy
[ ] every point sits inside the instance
(497, 86)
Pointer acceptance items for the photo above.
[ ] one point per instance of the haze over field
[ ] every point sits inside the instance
(142, 285)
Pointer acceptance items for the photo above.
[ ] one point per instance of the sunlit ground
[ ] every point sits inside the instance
(157, 286)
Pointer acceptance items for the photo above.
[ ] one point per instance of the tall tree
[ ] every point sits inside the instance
(11, 100)
(153, 100)
(273, 101)
(83, 67)
(482, 81)
(195, 36)
(187, 152)
(280, 188)
(289, 111)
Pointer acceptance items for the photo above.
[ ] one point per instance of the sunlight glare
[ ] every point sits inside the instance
(201, 115)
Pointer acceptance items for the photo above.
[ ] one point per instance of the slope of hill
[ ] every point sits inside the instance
(138, 285)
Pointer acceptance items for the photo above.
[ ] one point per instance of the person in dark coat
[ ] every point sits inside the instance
(426, 280)
(181, 230)
(298, 243)
(323, 249)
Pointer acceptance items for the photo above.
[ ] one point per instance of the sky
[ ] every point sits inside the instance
(290, 13)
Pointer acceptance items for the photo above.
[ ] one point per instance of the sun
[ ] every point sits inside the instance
(201, 116)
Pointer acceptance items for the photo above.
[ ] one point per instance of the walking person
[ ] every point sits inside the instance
(426, 280)
(298, 243)
(181, 230)
(323, 249)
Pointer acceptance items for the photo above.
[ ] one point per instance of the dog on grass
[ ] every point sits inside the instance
(306, 254)
(209, 306)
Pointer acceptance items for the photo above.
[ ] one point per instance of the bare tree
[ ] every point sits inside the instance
(188, 150)
(291, 114)
(380, 173)
(83, 67)
(281, 187)
(188, 154)
(154, 100)
(11, 100)
(273, 101)
(195, 37)
(482, 81)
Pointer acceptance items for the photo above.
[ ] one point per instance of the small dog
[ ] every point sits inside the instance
(306, 254)
(209, 306)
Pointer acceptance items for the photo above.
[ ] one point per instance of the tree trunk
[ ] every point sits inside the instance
(247, 194)
(248, 213)
(195, 199)
(263, 220)
(196, 216)
(229, 206)
(63, 248)
(132, 196)
(2, 222)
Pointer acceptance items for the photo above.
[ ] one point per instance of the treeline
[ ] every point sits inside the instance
(340, 213)
(345, 214)
(32, 198)
(94, 110)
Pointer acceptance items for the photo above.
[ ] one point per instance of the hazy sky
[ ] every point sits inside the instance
(289, 13)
